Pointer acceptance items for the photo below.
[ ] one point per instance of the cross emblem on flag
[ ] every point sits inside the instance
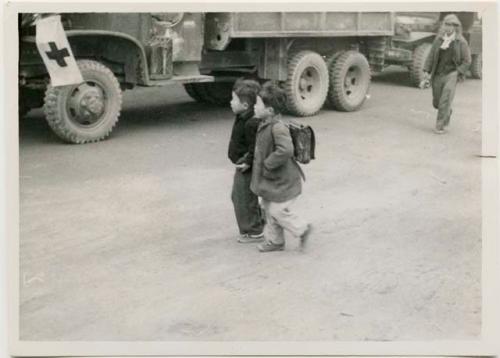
(56, 53)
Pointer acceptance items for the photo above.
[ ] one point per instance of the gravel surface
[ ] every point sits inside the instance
(134, 238)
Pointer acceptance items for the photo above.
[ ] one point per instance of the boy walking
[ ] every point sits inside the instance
(276, 176)
(241, 153)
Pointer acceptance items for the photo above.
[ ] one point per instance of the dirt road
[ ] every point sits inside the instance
(134, 238)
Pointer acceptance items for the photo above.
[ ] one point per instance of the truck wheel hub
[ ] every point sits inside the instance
(352, 80)
(307, 83)
(86, 104)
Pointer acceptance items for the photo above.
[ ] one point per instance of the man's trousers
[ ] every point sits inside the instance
(443, 92)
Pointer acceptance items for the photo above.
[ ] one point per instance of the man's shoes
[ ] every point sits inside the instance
(439, 131)
(250, 238)
(305, 236)
(269, 246)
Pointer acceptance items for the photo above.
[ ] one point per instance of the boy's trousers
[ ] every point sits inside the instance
(443, 92)
(246, 204)
(280, 217)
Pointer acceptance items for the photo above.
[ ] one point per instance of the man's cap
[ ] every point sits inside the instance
(452, 19)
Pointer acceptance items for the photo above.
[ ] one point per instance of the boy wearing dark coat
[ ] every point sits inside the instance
(241, 153)
(276, 177)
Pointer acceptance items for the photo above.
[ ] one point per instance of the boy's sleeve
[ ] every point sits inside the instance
(231, 150)
(250, 135)
(283, 147)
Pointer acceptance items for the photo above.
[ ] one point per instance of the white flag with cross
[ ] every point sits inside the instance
(56, 53)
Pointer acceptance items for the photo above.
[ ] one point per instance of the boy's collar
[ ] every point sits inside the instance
(267, 120)
(246, 114)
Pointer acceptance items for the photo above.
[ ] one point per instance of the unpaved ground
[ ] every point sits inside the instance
(133, 238)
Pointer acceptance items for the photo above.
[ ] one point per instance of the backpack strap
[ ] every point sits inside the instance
(292, 158)
(300, 169)
(313, 143)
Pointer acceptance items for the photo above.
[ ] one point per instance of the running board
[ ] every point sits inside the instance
(182, 80)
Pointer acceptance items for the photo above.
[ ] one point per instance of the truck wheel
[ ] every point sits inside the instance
(420, 55)
(307, 83)
(192, 92)
(330, 61)
(476, 67)
(219, 93)
(199, 92)
(349, 81)
(23, 106)
(29, 99)
(86, 112)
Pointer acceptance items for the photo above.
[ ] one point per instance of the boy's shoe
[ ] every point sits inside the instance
(305, 236)
(250, 238)
(269, 246)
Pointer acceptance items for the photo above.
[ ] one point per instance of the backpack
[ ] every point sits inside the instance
(304, 142)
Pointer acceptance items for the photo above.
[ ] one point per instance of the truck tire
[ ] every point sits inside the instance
(476, 67)
(219, 93)
(349, 81)
(192, 92)
(420, 55)
(330, 61)
(86, 112)
(201, 93)
(23, 106)
(29, 99)
(307, 83)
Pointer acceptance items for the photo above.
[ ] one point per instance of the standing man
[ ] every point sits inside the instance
(448, 62)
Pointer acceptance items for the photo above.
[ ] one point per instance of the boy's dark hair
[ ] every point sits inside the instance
(247, 91)
(273, 96)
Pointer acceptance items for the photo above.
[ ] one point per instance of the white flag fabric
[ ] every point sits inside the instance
(56, 53)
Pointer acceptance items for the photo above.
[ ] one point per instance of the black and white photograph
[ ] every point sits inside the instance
(252, 176)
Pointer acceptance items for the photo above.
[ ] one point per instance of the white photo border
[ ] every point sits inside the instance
(486, 345)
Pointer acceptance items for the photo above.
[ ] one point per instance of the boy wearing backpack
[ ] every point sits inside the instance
(276, 176)
(240, 152)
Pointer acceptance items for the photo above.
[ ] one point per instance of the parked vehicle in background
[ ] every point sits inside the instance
(414, 34)
(475, 39)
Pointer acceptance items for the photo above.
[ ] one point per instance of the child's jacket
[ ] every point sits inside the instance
(242, 142)
(276, 176)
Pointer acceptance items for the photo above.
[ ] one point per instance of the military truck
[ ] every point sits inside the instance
(317, 57)
(414, 34)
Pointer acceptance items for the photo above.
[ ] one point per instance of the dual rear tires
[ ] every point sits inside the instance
(341, 81)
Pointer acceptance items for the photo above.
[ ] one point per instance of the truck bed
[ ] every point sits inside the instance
(220, 27)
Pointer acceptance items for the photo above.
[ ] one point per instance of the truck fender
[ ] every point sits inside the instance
(142, 71)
